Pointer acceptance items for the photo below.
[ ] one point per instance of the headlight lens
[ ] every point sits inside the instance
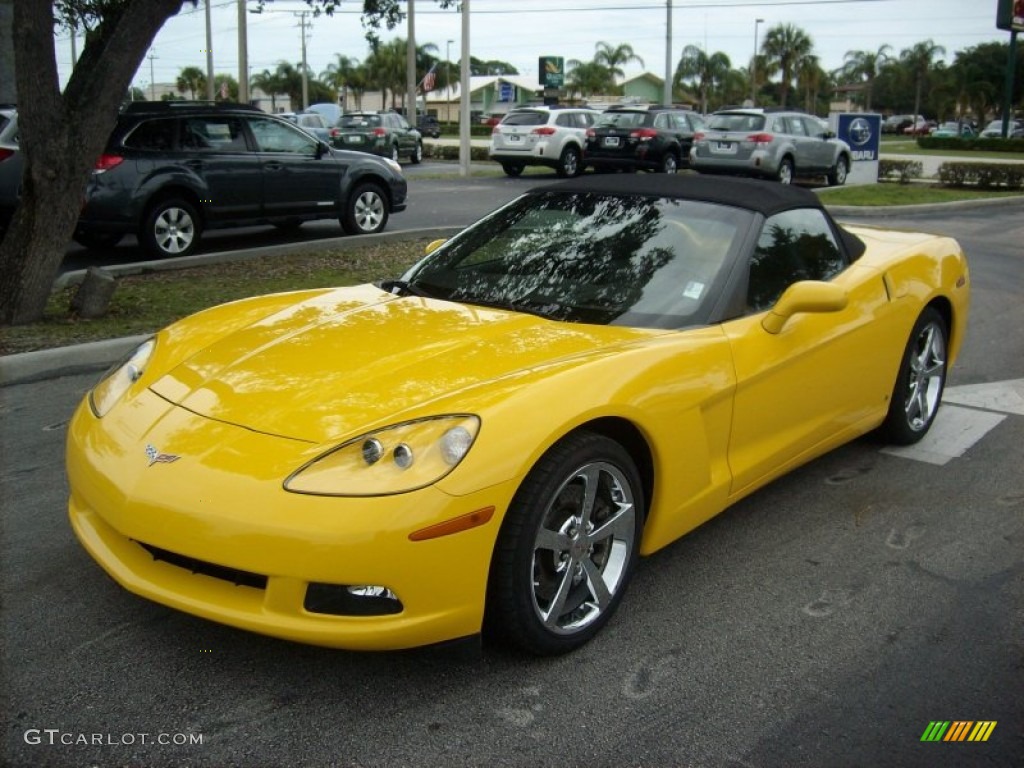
(118, 379)
(394, 459)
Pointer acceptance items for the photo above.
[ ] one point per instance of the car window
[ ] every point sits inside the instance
(276, 136)
(795, 126)
(734, 122)
(152, 135)
(216, 133)
(525, 117)
(794, 245)
(663, 121)
(622, 119)
(359, 121)
(311, 121)
(566, 120)
(605, 260)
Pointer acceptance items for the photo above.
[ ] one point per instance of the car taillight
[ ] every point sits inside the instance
(380, 132)
(5, 153)
(544, 130)
(644, 134)
(760, 138)
(106, 162)
(334, 132)
(699, 136)
(591, 133)
(495, 129)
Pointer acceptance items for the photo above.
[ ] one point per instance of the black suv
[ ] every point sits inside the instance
(173, 169)
(641, 138)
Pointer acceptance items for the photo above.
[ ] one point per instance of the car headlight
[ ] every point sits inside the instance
(393, 165)
(394, 459)
(118, 379)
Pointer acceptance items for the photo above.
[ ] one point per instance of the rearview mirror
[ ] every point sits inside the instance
(805, 296)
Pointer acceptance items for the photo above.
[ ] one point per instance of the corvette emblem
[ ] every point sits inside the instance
(155, 457)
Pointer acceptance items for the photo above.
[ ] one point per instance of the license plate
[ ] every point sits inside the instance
(725, 146)
(513, 138)
(611, 141)
(355, 140)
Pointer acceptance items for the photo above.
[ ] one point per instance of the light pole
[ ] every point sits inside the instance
(448, 80)
(753, 66)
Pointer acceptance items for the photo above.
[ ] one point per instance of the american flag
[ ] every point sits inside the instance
(429, 80)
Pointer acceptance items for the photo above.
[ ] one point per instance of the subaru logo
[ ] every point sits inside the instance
(860, 131)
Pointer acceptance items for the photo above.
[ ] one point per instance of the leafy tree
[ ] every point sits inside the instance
(784, 46)
(63, 132)
(701, 72)
(346, 75)
(270, 84)
(225, 83)
(588, 77)
(615, 57)
(191, 80)
(478, 67)
(811, 78)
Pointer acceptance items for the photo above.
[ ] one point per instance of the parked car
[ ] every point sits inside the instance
(427, 125)
(490, 442)
(491, 118)
(331, 113)
(171, 170)
(897, 123)
(541, 135)
(313, 122)
(644, 138)
(994, 130)
(782, 145)
(387, 134)
(919, 127)
(12, 164)
(953, 129)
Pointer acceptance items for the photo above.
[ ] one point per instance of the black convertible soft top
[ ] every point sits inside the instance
(765, 197)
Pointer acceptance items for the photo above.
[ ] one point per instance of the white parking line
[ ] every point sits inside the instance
(958, 428)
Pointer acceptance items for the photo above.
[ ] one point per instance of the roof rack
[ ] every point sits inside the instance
(180, 104)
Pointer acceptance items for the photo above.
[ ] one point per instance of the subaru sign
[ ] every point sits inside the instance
(863, 133)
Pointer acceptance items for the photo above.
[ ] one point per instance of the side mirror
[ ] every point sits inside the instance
(433, 245)
(805, 296)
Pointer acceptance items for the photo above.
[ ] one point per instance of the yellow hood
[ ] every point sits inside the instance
(338, 363)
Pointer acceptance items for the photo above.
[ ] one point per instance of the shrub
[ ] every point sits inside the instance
(982, 175)
(902, 171)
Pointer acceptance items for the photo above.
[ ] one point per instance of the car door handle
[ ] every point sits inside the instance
(195, 164)
(273, 165)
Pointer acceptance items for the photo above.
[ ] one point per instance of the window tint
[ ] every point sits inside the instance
(794, 246)
(730, 122)
(153, 135)
(796, 126)
(274, 136)
(525, 118)
(359, 121)
(213, 134)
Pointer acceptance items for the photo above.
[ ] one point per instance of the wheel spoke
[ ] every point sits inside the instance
(596, 583)
(555, 541)
(554, 612)
(620, 524)
(591, 477)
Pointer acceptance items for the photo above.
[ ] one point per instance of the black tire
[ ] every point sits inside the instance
(785, 173)
(922, 378)
(417, 154)
(512, 169)
(569, 163)
(669, 163)
(838, 173)
(366, 210)
(171, 228)
(395, 154)
(559, 568)
(97, 241)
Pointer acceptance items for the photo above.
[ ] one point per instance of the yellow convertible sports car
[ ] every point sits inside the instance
(489, 443)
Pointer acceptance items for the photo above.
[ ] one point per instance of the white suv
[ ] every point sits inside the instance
(551, 136)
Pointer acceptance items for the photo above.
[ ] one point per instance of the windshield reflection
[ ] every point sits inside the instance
(589, 258)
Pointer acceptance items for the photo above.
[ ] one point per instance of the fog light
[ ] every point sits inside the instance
(351, 600)
(403, 455)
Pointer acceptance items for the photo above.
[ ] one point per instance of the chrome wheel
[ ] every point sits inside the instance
(785, 174)
(669, 164)
(837, 176)
(366, 212)
(921, 380)
(582, 547)
(569, 163)
(567, 547)
(171, 228)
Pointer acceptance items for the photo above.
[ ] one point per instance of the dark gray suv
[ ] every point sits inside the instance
(172, 170)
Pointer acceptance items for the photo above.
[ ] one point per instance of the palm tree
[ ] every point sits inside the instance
(588, 77)
(784, 46)
(613, 58)
(866, 65)
(703, 72)
(191, 79)
(289, 80)
(270, 84)
(343, 75)
(810, 76)
(918, 61)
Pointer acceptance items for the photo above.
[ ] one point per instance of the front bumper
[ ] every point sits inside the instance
(214, 534)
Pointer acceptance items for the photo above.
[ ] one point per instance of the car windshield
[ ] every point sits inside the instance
(621, 119)
(733, 122)
(602, 259)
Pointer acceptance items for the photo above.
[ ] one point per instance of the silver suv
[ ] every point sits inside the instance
(551, 136)
(778, 145)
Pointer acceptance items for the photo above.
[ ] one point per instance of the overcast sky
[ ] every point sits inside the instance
(519, 31)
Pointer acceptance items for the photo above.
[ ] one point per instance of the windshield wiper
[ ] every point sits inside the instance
(404, 288)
